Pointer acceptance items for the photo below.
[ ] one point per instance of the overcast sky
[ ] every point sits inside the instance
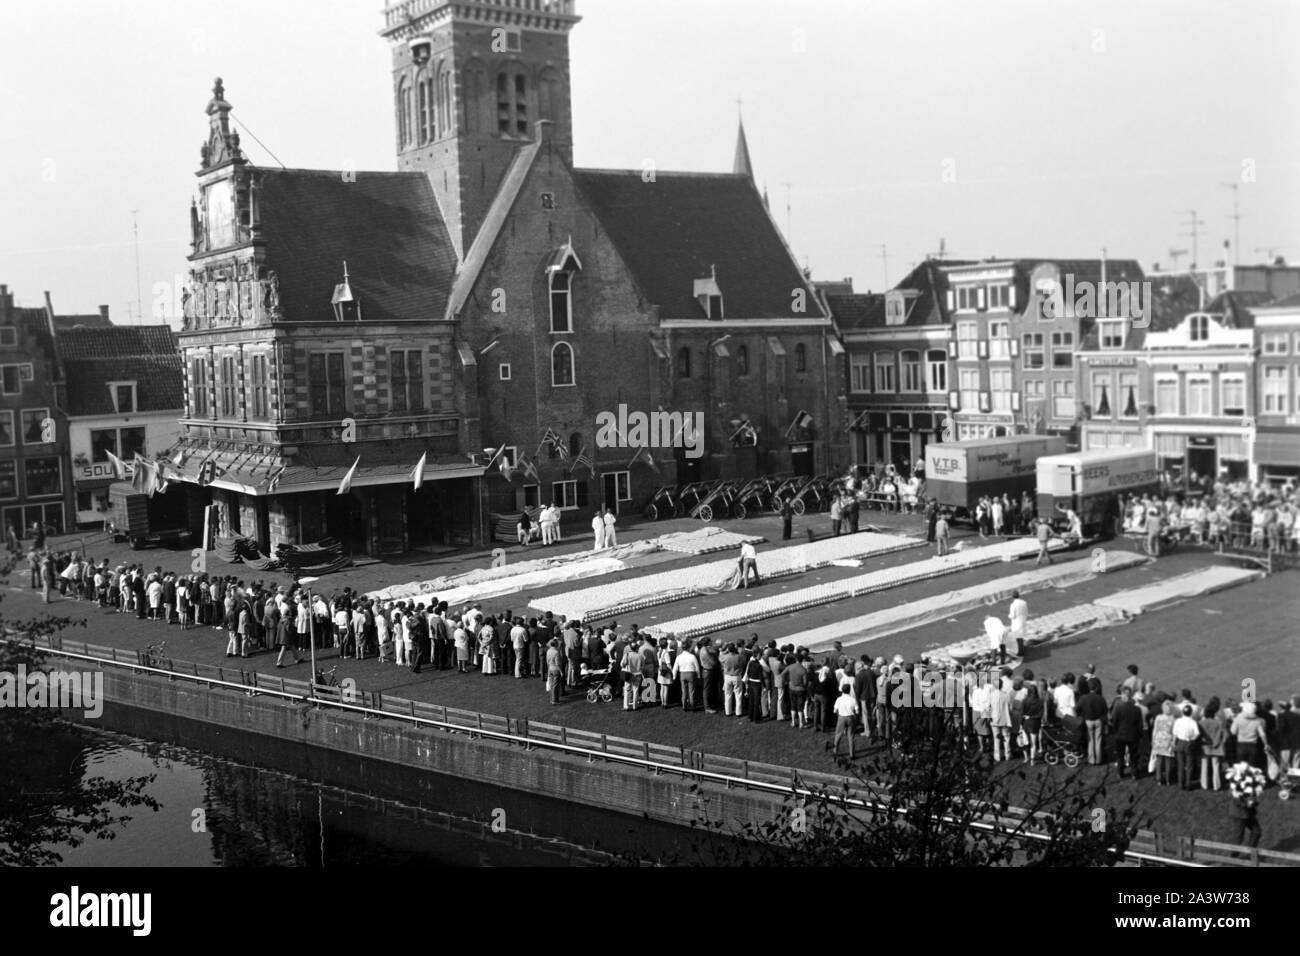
(1004, 127)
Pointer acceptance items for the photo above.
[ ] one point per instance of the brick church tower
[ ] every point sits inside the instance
(471, 80)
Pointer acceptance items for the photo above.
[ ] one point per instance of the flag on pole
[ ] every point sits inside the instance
(119, 466)
(562, 450)
(583, 460)
(345, 485)
(507, 469)
(417, 476)
(530, 469)
(179, 458)
(643, 454)
(161, 477)
(551, 438)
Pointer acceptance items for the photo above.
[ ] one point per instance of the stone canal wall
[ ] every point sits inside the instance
(390, 758)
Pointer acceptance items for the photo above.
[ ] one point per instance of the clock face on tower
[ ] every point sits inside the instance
(219, 209)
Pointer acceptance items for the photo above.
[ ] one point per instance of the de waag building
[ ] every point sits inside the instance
(485, 306)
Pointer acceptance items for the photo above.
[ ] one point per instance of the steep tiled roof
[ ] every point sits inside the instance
(1290, 302)
(928, 307)
(860, 310)
(147, 355)
(387, 226)
(1235, 307)
(677, 229)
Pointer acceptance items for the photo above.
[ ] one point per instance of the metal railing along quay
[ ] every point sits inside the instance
(1146, 848)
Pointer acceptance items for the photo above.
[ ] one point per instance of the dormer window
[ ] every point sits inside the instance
(1111, 334)
(1198, 326)
(709, 295)
(123, 395)
(560, 271)
(347, 307)
(895, 309)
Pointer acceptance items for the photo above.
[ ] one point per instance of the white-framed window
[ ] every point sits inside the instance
(509, 456)
(968, 383)
(910, 363)
(43, 477)
(1033, 352)
(1062, 350)
(34, 426)
(1035, 390)
(1232, 395)
(124, 397)
(936, 361)
(895, 310)
(884, 362)
(967, 340)
(562, 366)
(532, 496)
(1274, 343)
(1126, 398)
(1000, 386)
(1166, 394)
(1103, 395)
(1063, 398)
(11, 380)
(999, 339)
(999, 295)
(1110, 334)
(561, 302)
(860, 373)
(967, 298)
(1199, 327)
(6, 428)
(1198, 396)
(1276, 398)
(622, 484)
(8, 480)
(504, 371)
(8, 336)
(565, 494)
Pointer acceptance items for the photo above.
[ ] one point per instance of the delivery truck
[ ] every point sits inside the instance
(1091, 482)
(958, 474)
(163, 518)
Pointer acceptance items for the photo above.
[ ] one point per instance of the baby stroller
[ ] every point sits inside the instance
(1064, 741)
(600, 689)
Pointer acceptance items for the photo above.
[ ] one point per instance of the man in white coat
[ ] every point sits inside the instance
(598, 529)
(1019, 622)
(611, 536)
(548, 529)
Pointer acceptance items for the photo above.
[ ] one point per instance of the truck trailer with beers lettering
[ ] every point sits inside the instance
(958, 474)
(1091, 482)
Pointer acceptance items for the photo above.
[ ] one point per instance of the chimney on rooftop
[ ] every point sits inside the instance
(103, 312)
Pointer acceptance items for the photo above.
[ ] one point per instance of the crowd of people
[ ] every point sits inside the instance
(1239, 514)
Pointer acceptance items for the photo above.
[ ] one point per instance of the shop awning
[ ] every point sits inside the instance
(1278, 448)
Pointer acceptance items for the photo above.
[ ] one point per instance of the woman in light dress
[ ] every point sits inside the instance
(487, 647)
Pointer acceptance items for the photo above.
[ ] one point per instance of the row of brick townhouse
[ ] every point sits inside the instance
(36, 482)
(485, 297)
(966, 350)
(1206, 384)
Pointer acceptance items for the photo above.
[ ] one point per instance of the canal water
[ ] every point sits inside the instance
(217, 811)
